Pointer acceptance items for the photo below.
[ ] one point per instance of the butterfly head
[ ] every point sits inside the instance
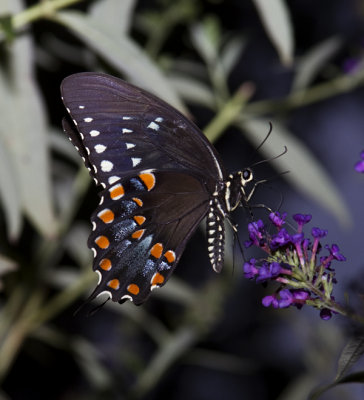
(235, 191)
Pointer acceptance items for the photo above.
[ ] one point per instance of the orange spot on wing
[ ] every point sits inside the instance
(102, 242)
(133, 288)
(117, 191)
(139, 219)
(114, 284)
(138, 201)
(106, 216)
(157, 279)
(105, 264)
(148, 180)
(156, 250)
(138, 234)
(170, 256)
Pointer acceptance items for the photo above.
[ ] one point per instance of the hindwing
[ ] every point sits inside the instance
(140, 230)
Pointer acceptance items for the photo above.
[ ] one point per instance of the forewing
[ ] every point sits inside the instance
(140, 230)
(123, 130)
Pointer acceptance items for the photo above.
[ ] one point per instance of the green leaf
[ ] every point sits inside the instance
(193, 90)
(231, 52)
(311, 63)
(351, 353)
(277, 23)
(23, 131)
(118, 15)
(9, 188)
(122, 53)
(306, 174)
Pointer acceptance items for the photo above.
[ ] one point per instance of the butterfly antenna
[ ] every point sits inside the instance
(263, 141)
(272, 158)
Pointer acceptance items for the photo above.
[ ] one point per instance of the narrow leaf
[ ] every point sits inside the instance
(351, 353)
(23, 129)
(311, 63)
(118, 15)
(277, 23)
(122, 53)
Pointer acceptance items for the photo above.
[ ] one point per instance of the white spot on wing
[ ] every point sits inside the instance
(100, 276)
(126, 130)
(126, 118)
(106, 165)
(136, 161)
(153, 126)
(130, 145)
(88, 119)
(100, 148)
(159, 119)
(94, 133)
(113, 179)
(93, 225)
(105, 292)
(81, 107)
(126, 296)
(94, 252)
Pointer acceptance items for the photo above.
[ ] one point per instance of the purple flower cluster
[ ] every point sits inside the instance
(292, 261)
(359, 166)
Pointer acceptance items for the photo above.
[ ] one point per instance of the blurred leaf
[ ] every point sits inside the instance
(357, 377)
(231, 53)
(122, 53)
(88, 358)
(193, 90)
(24, 135)
(6, 27)
(57, 142)
(6, 265)
(76, 241)
(206, 39)
(305, 172)
(311, 63)
(9, 188)
(351, 353)
(118, 14)
(277, 23)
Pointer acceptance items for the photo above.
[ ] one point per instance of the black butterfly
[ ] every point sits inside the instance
(160, 177)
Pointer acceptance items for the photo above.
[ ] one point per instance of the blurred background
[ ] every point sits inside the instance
(298, 64)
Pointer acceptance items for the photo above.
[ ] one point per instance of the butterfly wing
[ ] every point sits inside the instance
(157, 170)
(124, 130)
(140, 230)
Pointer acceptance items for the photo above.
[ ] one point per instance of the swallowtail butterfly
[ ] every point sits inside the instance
(160, 177)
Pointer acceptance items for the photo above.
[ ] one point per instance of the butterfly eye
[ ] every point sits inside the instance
(247, 176)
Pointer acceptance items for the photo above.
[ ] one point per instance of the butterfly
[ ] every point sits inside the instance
(159, 177)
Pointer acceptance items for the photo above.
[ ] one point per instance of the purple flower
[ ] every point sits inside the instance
(325, 314)
(301, 220)
(335, 253)
(359, 166)
(268, 271)
(256, 233)
(292, 262)
(286, 298)
(250, 270)
(278, 219)
(270, 300)
(318, 233)
(280, 239)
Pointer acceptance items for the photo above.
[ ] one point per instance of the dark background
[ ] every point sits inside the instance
(240, 350)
